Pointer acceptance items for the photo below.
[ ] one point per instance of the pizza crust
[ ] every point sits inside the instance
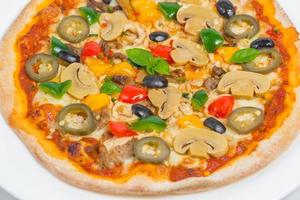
(267, 150)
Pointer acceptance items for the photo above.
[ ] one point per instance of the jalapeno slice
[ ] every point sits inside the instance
(77, 119)
(41, 67)
(151, 150)
(73, 29)
(251, 29)
(245, 119)
(274, 61)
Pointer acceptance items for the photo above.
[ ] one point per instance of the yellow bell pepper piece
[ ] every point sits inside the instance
(224, 54)
(149, 16)
(190, 121)
(147, 12)
(97, 66)
(97, 101)
(193, 73)
(140, 6)
(122, 69)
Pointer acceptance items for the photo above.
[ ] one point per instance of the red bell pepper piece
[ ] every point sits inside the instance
(133, 94)
(120, 129)
(162, 51)
(221, 107)
(90, 49)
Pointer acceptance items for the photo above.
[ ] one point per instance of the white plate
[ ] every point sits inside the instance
(23, 177)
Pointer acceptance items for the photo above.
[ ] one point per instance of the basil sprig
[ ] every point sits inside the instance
(91, 15)
(57, 90)
(244, 55)
(211, 39)
(109, 87)
(144, 58)
(199, 99)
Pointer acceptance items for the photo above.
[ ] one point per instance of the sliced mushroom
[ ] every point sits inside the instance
(244, 84)
(196, 17)
(127, 8)
(83, 81)
(200, 142)
(113, 25)
(187, 51)
(167, 100)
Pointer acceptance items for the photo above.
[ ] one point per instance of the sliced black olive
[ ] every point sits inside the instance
(214, 125)
(151, 150)
(158, 36)
(106, 1)
(225, 8)
(69, 57)
(245, 119)
(155, 81)
(73, 127)
(141, 111)
(274, 61)
(42, 67)
(73, 29)
(249, 32)
(262, 43)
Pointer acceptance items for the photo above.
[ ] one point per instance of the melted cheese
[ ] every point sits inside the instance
(114, 142)
(255, 102)
(42, 98)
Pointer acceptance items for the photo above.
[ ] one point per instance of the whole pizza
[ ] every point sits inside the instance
(150, 97)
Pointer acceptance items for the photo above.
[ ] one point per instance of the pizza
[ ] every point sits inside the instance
(148, 97)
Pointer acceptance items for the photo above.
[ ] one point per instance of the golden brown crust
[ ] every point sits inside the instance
(267, 150)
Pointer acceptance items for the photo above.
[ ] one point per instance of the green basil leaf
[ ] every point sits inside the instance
(109, 87)
(57, 90)
(169, 9)
(149, 124)
(91, 15)
(140, 57)
(244, 55)
(150, 69)
(211, 39)
(57, 46)
(161, 66)
(199, 99)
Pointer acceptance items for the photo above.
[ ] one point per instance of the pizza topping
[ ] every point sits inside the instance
(245, 119)
(196, 17)
(199, 99)
(69, 57)
(120, 129)
(200, 142)
(133, 94)
(221, 107)
(57, 90)
(57, 46)
(91, 49)
(244, 55)
(186, 51)
(214, 125)
(151, 150)
(73, 29)
(244, 84)
(158, 36)
(76, 119)
(225, 8)
(241, 26)
(169, 9)
(112, 25)
(41, 67)
(83, 81)
(167, 100)
(268, 60)
(141, 111)
(262, 43)
(110, 88)
(211, 39)
(149, 124)
(97, 101)
(190, 121)
(91, 15)
(155, 81)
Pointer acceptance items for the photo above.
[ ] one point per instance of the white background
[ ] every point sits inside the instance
(23, 177)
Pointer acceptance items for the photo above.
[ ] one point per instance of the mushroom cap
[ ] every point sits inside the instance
(83, 81)
(200, 142)
(196, 17)
(114, 27)
(244, 84)
(188, 51)
(167, 100)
